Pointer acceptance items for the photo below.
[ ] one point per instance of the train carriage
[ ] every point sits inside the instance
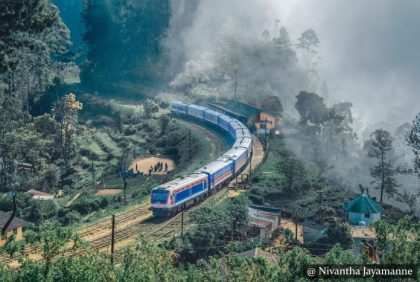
(224, 123)
(218, 172)
(212, 116)
(239, 156)
(196, 111)
(246, 143)
(179, 107)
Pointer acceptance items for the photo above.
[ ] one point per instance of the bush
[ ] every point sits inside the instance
(70, 217)
(130, 130)
(86, 206)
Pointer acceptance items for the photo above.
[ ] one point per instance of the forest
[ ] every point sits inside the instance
(85, 94)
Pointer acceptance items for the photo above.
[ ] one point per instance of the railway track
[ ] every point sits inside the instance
(131, 224)
(105, 223)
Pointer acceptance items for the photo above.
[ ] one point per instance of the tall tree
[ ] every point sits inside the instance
(164, 122)
(65, 113)
(124, 40)
(272, 105)
(283, 43)
(293, 170)
(11, 120)
(308, 43)
(150, 107)
(413, 140)
(33, 39)
(311, 108)
(384, 172)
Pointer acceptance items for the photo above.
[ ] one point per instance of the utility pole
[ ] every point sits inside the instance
(250, 163)
(112, 239)
(236, 85)
(125, 190)
(231, 231)
(296, 227)
(182, 222)
(124, 178)
(9, 221)
(93, 175)
(189, 143)
(265, 131)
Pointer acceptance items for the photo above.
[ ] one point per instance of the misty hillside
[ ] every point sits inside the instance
(194, 140)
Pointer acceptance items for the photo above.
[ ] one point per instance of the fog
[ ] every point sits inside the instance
(369, 49)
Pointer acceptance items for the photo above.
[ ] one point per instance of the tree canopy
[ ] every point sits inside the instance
(384, 172)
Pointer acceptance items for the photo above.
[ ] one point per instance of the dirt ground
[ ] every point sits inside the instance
(144, 164)
(108, 192)
(291, 225)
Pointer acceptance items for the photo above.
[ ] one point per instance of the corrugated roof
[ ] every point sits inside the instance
(257, 252)
(266, 208)
(363, 204)
(309, 224)
(237, 108)
(16, 222)
(34, 192)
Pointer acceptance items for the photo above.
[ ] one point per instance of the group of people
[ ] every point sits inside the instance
(158, 167)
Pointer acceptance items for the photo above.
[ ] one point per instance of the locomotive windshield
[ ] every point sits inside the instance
(159, 196)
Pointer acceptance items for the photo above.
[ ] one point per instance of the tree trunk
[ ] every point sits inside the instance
(383, 177)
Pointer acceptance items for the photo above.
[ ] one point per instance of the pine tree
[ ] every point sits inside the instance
(413, 140)
(384, 172)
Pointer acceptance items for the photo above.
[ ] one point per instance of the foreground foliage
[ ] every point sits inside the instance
(147, 262)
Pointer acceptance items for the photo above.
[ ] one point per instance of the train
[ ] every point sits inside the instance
(172, 197)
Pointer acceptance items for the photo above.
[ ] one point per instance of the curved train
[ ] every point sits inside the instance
(171, 197)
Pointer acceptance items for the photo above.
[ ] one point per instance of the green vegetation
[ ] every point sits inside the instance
(384, 172)
(71, 145)
(214, 228)
(413, 140)
(124, 41)
(147, 262)
(100, 140)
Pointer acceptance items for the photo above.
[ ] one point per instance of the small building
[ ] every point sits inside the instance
(313, 230)
(25, 167)
(265, 219)
(246, 113)
(39, 195)
(363, 211)
(14, 228)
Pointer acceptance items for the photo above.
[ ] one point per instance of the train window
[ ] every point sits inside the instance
(159, 196)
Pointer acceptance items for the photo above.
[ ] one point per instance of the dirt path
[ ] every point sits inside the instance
(144, 164)
(73, 199)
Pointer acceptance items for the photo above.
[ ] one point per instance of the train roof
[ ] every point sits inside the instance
(244, 141)
(241, 133)
(237, 125)
(197, 107)
(178, 103)
(233, 153)
(226, 118)
(213, 112)
(176, 183)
